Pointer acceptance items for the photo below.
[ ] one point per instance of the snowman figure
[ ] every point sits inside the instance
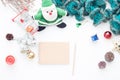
(49, 14)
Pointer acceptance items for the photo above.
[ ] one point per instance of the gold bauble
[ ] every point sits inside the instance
(30, 55)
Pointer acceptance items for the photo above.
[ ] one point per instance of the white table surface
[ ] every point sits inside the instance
(88, 53)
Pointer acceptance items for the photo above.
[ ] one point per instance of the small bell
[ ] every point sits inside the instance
(30, 55)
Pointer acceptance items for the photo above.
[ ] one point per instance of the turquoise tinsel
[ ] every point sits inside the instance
(90, 6)
(97, 16)
(95, 9)
(117, 17)
(79, 16)
(115, 27)
(59, 3)
(72, 7)
(114, 4)
(82, 2)
(118, 1)
(108, 14)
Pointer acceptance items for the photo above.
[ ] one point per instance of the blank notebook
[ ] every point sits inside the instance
(54, 53)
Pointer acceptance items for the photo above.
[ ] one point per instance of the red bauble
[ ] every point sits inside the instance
(107, 34)
(10, 60)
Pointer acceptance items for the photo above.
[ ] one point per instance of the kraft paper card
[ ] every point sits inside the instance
(54, 53)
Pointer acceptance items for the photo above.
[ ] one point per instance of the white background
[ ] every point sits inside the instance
(88, 53)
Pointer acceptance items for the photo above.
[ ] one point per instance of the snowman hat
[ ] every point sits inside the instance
(46, 3)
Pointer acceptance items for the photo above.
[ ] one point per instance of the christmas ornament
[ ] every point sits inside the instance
(102, 64)
(49, 14)
(9, 36)
(26, 43)
(30, 55)
(10, 60)
(107, 34)
(109, 56)
(94, 37)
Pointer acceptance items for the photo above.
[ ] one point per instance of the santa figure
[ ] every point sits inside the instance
(49, 14)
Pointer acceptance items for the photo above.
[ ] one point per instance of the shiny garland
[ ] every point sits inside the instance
(95, 9)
